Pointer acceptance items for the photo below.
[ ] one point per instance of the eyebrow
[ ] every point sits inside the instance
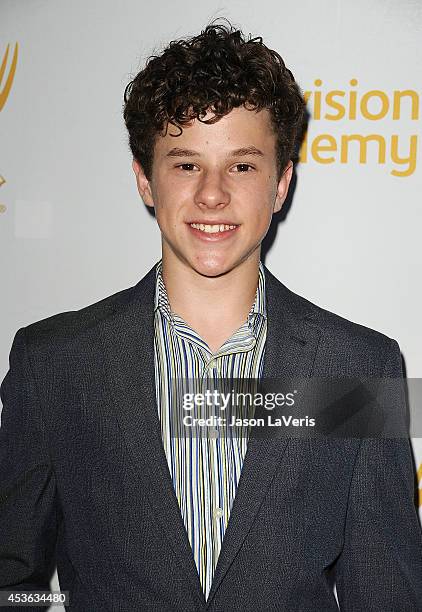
(251, 150)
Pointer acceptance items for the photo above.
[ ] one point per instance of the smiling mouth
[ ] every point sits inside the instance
(212, 229)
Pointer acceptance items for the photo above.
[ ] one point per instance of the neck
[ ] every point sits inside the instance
(221, 302)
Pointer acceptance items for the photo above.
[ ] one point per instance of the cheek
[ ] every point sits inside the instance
(168, 209)
(170, 197)
(262, 205)
(263, 191)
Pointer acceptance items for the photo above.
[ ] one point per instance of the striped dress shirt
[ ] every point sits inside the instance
(205, 471)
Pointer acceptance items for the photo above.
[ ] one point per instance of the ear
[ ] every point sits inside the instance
(143, 184)
(283, 186)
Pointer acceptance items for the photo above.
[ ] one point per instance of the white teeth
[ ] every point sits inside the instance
(212, 229)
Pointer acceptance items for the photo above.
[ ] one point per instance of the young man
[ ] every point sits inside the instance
(143, 519)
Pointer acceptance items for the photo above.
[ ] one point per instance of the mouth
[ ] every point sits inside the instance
(214, 228)
(213, 231)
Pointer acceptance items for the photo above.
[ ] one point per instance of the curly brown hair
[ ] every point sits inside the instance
(217, 70)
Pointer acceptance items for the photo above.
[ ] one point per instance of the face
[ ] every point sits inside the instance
(214, 189)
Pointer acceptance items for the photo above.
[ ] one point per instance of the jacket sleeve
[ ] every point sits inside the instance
(380, 567)
(27, 483)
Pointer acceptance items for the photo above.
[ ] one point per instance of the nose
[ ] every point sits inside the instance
(211, 191)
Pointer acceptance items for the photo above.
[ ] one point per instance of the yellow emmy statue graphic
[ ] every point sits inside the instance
(5, 89)
(420, 483)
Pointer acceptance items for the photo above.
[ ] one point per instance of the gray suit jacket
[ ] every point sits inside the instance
(84, 478)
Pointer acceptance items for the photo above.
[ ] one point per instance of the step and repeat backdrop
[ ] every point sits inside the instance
(72, 226)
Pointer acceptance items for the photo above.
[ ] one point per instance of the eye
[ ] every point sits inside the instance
(187, 167)
(244, 168)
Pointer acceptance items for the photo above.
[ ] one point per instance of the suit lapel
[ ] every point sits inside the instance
(128, 340)
(291, 347)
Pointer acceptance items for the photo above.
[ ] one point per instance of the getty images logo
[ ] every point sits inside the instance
(6, 82)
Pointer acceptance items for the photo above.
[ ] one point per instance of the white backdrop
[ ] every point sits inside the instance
(72, 227)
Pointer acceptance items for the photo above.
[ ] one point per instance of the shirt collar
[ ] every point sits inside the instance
(259, 306)
(161, 300)
(258, 309)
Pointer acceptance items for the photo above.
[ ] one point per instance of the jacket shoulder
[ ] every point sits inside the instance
(338, 332)
(343, 328)
(69, 325)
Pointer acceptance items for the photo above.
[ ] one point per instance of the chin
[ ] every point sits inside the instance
(212, 268)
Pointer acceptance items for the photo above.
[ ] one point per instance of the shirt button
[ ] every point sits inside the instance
(212, 363)
(218, 513)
